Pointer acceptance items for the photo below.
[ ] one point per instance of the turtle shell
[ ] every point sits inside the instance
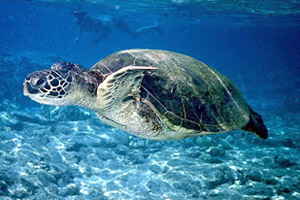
(184, 91)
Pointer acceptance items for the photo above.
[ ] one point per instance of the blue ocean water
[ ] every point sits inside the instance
(49, 152)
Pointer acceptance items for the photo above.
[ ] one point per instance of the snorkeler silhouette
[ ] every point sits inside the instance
(103, 25)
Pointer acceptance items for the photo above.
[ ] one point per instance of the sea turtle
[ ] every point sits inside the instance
(152, 94)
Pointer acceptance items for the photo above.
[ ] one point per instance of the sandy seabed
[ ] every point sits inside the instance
(67, 153)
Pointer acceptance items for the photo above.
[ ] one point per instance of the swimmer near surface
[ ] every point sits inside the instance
(102, 25)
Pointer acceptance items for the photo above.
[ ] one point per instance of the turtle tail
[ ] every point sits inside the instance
(256, 125)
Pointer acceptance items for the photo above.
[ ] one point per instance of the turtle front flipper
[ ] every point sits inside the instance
(121, 86)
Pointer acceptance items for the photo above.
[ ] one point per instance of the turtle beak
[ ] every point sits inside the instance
(25, 89)
(28, 89)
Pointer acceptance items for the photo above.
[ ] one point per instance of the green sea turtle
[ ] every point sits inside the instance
(153, 94)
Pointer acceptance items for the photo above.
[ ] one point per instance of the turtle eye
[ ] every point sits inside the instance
(37, 82)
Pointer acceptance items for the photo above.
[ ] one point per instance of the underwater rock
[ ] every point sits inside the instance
(112, 186)
(29, 184)
(105, 155)
(6, 135)
(253, 175)
(155, 168)
(61, 129)
(138, 143)
(61, 171)
(165, 169)
(268, 161)
(122, 150)
(225, 194)
(269, 179)
(215, 179)
(115, 165)
(108, 143)
(105, 174)
(259, 189)
(176, 162)
(71, 156)
(289, 186)
(219, 176)
(188, 188)
(96, 192)
(284, 190)
(205, 158)
(138, 159)
(283, 162)
(205, 141)
(70, 190)
(226, 145)
(288, 142)
(9, 123)
(45, 178)
(120, 137)
(52, 190)
(194, 152)
(210, 159)
(93, 160)
(76, 146)
(36, 119)
(20, 194)
(5, 178)
(154, 186)
(65, 113)
(88, 171)
(3, 188)
(217, 151)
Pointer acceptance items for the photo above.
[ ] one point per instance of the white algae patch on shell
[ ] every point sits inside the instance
(59, 158)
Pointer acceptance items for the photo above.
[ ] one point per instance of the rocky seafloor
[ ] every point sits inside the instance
(67, 153)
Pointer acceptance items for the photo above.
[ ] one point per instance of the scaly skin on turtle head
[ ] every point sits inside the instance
(63, 84)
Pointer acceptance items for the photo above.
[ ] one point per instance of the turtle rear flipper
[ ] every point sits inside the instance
(256, 125)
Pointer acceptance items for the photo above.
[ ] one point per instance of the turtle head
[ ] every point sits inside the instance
(64, 84)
